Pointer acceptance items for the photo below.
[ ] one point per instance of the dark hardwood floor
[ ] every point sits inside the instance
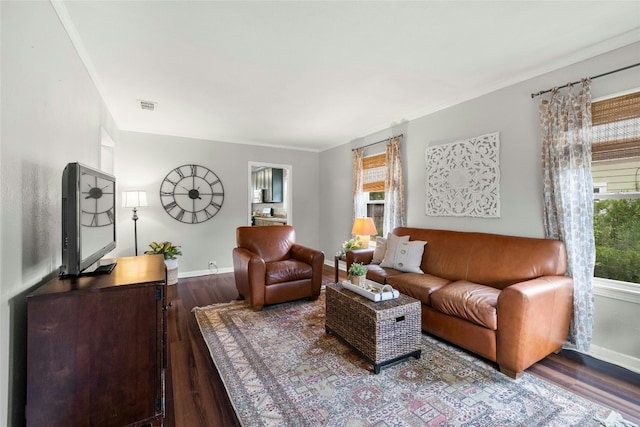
(196, 396)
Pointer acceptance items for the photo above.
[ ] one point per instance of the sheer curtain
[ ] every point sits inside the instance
(394, 214)
(568, 196)
(358, 196)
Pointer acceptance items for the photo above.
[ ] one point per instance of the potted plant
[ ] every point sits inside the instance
(357, 274)
(350, 245)
(170, 253)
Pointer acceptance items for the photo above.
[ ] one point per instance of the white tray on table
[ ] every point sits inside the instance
(373, 290)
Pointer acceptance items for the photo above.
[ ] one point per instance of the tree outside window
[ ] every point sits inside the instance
(616, 175)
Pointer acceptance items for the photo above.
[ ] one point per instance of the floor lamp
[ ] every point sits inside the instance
(134, 199)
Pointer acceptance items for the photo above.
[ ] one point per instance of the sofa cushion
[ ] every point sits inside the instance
(379, 274)
(287, 271)
(419, 286)
(470, 301)
(403, 255)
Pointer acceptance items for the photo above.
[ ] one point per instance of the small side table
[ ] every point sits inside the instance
(337, 260)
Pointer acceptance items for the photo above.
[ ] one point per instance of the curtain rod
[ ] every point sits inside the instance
(533, 95)
(378, 142)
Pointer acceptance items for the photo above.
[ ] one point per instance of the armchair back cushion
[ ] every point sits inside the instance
(271, 243)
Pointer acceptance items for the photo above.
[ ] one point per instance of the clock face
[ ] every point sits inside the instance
(96, 201)
(191, 194)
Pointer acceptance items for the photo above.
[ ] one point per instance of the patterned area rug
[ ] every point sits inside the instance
(281, 368)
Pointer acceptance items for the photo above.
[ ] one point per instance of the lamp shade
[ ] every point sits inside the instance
(134, 199)
(364, 226)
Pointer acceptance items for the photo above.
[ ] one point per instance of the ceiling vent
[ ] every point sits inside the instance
(147, 105)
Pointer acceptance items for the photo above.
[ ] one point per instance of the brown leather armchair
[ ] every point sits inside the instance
(271, 268)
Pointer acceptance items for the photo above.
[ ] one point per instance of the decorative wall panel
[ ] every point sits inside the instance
(463, 178)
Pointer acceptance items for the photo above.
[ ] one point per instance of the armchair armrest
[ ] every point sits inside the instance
(362, 256)
(313, 257)
(308, 255)
(249, 271)
(533, 321)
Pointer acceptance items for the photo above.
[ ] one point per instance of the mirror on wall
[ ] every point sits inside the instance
(269, 193)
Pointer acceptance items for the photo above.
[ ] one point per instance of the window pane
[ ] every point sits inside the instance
(616, 176)
(376, 211)
(616, 226)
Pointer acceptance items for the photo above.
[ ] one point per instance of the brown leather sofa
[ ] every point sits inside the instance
(504, 298)
(270, 268)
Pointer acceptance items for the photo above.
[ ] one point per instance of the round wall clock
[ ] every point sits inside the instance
(96, 201)
(191, 194)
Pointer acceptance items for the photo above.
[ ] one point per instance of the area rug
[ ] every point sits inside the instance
(280, 368)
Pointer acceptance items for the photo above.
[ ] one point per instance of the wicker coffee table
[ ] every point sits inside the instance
(383, 332)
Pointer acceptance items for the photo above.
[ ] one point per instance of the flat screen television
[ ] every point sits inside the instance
(88, 220)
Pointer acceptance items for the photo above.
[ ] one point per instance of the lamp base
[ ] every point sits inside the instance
(365, 241)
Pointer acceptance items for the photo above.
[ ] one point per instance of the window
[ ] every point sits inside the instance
(616, 175)
(375, 171)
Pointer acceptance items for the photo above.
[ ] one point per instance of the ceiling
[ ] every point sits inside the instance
(316, 74)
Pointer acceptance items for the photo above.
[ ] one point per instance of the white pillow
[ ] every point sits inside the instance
(381, 249)
(392, 247)
(405, 257)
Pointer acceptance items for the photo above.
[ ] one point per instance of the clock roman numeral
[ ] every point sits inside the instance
(170, 206)
(166, 194)
(215, 205)
(179, 172)
(194, 218)
(180, 215)
(111, 216)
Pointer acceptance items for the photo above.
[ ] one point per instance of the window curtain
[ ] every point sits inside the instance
(394, 214)
(568, 196)
(358, 195)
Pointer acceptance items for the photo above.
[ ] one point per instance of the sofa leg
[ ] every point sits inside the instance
(313, 298)
(257, 308)
(508, 372)
(240, 298)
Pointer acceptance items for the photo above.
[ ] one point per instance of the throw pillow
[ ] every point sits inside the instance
(392, 247)
(381, 249)
(406, 256)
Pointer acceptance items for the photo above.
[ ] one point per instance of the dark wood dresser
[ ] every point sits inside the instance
(96, 347)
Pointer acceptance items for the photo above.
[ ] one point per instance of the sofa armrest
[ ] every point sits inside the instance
(313, 257)
(533, 321)
(249, 271)
(362, 256)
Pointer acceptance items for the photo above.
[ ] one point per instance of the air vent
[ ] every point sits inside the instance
(147, 105)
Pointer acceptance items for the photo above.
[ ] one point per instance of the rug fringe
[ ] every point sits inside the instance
(218, 305)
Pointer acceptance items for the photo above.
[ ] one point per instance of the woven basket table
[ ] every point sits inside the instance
(383, 332)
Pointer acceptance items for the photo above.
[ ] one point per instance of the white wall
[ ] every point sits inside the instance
(51, 115)
(142, 162)
(513, 114)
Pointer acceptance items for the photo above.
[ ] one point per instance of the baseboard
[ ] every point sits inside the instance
(619, 359)
(196, 273)
(342, 265)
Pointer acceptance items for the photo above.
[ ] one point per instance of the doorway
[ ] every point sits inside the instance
(269, 198)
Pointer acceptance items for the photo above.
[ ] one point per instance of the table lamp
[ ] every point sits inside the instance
(134, 199)
(363, 228)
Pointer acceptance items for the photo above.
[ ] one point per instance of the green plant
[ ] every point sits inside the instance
(167, 249)
(616, 227)
(357, 269)
(350, 245)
